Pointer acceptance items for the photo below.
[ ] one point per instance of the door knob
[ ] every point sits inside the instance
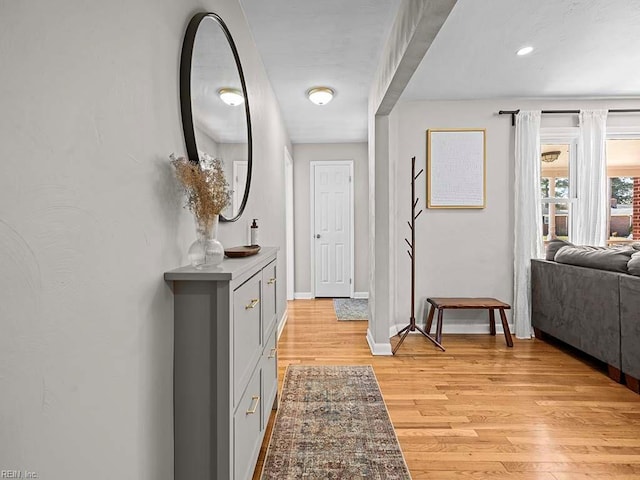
(317, 235)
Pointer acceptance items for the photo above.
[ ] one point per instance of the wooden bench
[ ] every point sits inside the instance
(491, 304)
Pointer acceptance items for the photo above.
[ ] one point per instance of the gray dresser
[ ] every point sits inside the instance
(225, 365)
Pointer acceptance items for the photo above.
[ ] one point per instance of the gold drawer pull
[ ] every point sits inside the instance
(253, 303)
(255, 398)
(271, 281)
(273, 353)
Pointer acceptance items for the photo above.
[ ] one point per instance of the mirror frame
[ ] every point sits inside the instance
(185, 99)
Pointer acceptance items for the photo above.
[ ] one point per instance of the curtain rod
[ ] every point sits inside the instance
(513, 113)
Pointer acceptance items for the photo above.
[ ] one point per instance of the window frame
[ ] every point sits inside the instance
(563, 136)
(619, 133)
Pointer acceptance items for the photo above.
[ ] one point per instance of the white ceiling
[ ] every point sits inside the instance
(583, 48)
(334, 43)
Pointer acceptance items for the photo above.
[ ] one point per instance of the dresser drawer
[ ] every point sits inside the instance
(247, 429)
(247, 332)
(269, 304)
(269, 376)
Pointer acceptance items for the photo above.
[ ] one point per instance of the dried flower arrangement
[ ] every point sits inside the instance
(205, 186)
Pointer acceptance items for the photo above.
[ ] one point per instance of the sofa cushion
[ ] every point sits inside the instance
(614, 259)
(633, 265)
(553, 246)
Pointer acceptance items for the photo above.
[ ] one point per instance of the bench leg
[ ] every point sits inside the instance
(492, 322)
(427, 327)
(505, 327)
(439, 326)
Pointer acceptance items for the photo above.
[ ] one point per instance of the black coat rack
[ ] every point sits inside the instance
(412, 327)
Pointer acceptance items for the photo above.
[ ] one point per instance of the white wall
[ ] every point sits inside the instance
(91, 217)
(303, 155)
(206, 144)
(465, 252)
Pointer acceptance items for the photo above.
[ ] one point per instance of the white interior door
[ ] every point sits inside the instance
(332, 229)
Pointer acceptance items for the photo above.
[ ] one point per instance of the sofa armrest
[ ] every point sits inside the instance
(579, 306)
(630, 325)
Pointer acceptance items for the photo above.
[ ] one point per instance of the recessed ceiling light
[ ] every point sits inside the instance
(524, 51)
(231, 96)
(320, 95)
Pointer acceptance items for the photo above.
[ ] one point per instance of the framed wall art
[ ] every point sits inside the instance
(456, 168)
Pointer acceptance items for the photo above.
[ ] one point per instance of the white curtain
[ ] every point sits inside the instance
(528, 216)
(592, 182)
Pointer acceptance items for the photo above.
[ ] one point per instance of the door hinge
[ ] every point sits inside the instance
(349, 178)
(349, 281)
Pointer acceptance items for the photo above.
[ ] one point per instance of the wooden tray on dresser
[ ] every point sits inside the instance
(242, 251)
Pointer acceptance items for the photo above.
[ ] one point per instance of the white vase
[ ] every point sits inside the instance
(206, 251)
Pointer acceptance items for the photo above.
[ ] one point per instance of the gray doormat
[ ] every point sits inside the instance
(351, 308)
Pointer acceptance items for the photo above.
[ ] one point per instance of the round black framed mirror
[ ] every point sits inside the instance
(214, 104)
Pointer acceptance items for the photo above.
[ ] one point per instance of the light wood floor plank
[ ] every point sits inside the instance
(598, 470)
(481, 410)
(480, 475)
(594, 476)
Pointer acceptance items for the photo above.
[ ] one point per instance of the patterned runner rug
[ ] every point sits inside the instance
(333, 424)
(351, 308)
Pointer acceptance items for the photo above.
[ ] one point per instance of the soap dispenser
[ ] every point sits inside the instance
(254, 232)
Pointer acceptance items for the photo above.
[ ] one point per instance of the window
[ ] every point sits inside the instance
(557, 183)
(623, 170)
(556, 188)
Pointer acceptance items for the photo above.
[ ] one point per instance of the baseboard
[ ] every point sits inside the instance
(378, 348)
(282, 323)
(459, 328)
(309, 295)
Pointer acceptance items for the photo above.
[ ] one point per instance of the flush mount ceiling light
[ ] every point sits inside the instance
(549, 157)
(320, 95)
(524, 51)
(231, 96)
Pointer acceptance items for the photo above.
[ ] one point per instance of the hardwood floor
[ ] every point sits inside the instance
(481, 410)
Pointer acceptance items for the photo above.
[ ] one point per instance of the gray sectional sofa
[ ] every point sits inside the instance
(591, 308)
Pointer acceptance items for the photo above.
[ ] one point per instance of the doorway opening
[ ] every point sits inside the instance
(288, 188)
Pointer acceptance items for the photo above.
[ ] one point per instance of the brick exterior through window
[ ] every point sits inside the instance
(636, 208)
